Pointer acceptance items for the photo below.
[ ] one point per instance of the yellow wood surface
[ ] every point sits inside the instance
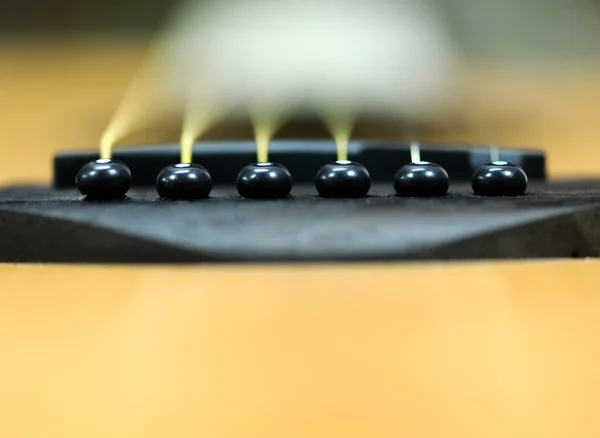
(473, 350)
(387, 350)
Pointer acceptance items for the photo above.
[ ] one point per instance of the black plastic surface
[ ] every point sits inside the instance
(499, 179)
(264, 181)
(424, 180)
(184, 182)
(103, 180)
(303, 158)
(343, 179)
(552, 220)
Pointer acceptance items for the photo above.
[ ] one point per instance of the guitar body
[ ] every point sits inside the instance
(353, 348)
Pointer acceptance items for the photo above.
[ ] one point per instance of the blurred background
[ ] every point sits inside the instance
(529, 76)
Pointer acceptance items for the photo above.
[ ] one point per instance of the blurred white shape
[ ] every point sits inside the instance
(375, 56)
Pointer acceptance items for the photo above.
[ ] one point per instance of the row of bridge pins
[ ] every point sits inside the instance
(108, 179)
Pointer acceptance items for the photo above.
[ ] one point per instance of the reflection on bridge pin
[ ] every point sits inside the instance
(104, 180)
(343, 179)
(420, 178)
(185, 181)
(499, 178)
(264, 181)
